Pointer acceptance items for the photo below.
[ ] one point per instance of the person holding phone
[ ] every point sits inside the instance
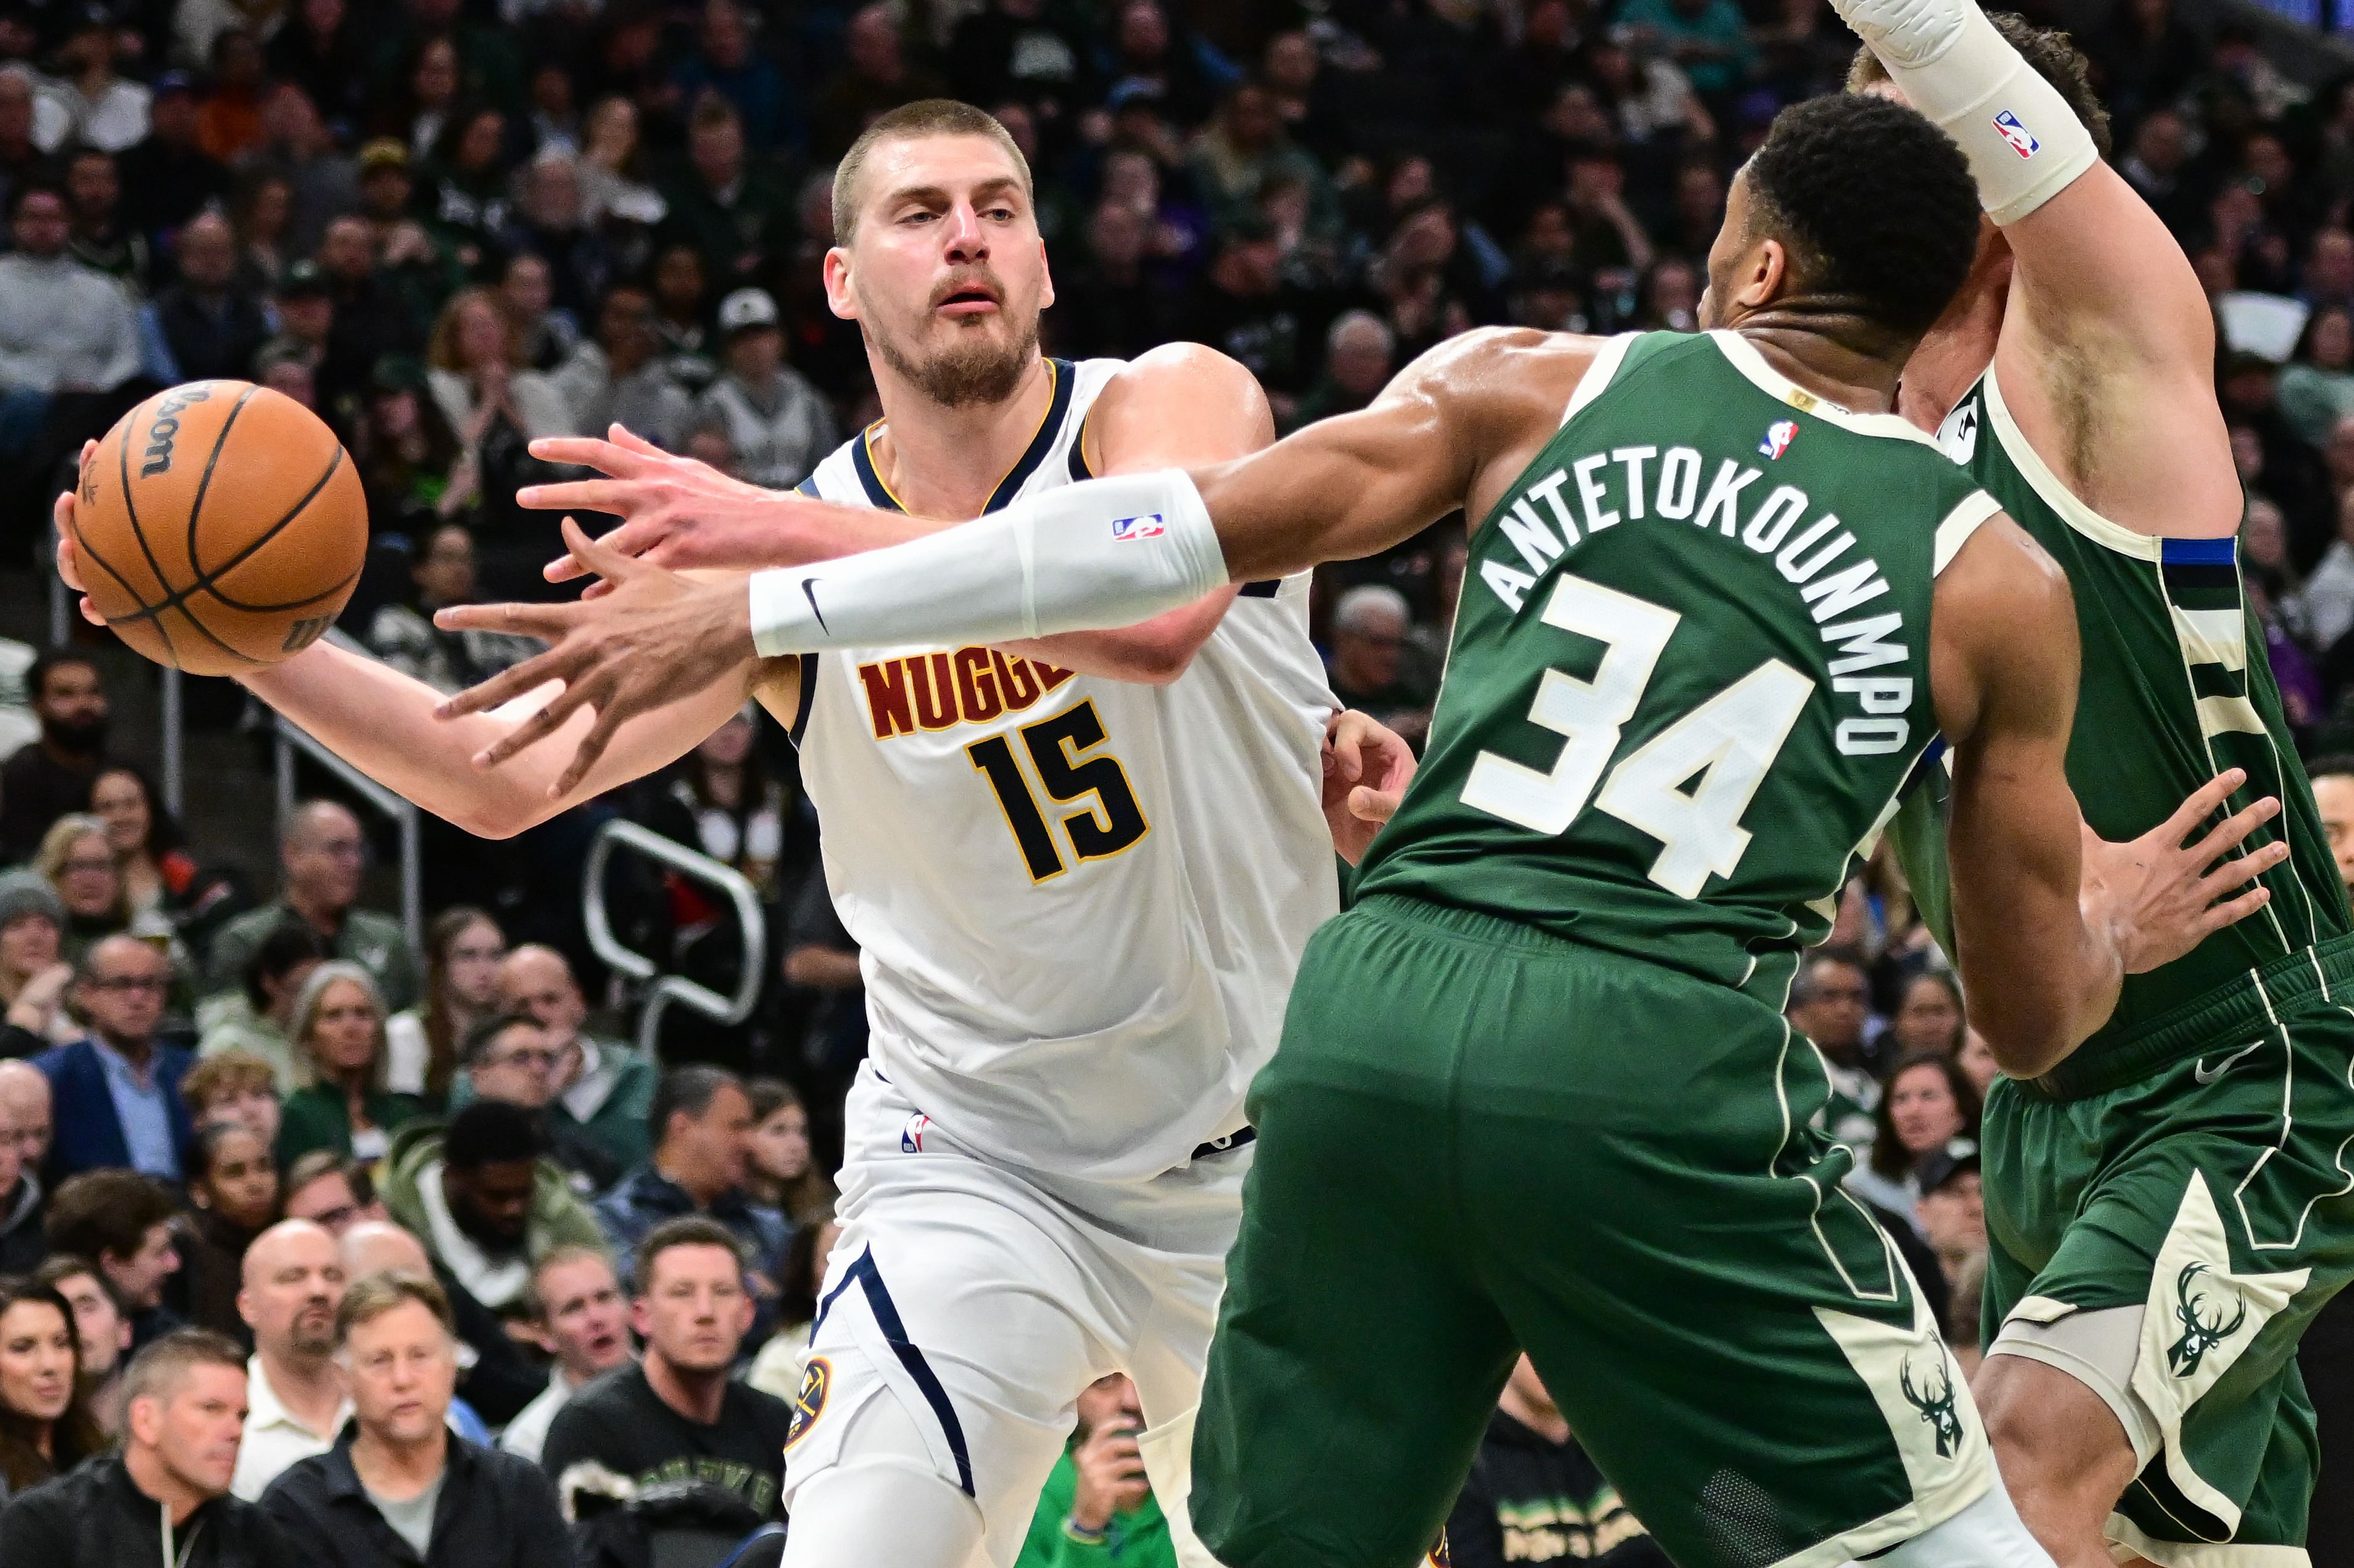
(1097, 1505)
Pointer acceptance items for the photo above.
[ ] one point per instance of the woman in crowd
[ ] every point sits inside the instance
(265, 209)
(782, 1174)
(256, 1018)
(233, 1184)
(2316, 387)
(338, 1028)
(613, 183)
(34, 978)
(680, 316)
(477, 375)
(78, 858)
(462, 949)
(405, 450)
(1976, 1058)
(721, 799)
(800, 1282)
(233, 1087)
(1929, 1015)
(1927, 1104)
(45, 1427)
(158, 875)
(467, 199)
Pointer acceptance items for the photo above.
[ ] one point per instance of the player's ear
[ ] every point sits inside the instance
(1045, 278)
(1764, 276)
(838, 297)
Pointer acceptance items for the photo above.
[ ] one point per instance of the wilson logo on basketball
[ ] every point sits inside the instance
(166, 426)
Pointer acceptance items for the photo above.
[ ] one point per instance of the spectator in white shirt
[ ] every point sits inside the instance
(2328, 597)
(63, 327)
(581, 1318)
(779, 424)
(102, 110)
(295, 1398)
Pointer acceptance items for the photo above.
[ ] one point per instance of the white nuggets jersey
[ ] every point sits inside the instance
(1079, 902)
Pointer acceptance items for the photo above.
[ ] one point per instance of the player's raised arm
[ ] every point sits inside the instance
(1451, 430)
(2098, 291)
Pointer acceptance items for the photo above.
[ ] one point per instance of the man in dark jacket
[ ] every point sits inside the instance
(702, 1127)
(213, 328)
(116, 1094)
(397, 1490)
(1534, 1495)
(22, 1245)
(163, 1501)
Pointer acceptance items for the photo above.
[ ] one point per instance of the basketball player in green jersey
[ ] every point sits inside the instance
(1536, 1089)
(2169, 1207)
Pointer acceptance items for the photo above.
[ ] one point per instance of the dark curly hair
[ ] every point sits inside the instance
(2049, 52)
(1875, 204)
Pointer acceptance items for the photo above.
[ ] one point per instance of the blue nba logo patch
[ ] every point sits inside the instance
(911, 1137)
(1778, 437)
(1145, 527)
(2023, 141)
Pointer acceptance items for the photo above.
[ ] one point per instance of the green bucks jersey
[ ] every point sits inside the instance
(2176, 689)
(1691, 666)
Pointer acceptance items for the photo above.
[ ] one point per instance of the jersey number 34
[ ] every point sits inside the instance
(1730, 741)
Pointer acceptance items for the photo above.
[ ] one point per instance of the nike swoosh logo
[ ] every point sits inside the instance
(809, 592)
(2205, 1074)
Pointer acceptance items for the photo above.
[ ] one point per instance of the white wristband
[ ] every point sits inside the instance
(2024, 144)
(1110, 552)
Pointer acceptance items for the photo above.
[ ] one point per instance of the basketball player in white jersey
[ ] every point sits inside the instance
(1080, 870)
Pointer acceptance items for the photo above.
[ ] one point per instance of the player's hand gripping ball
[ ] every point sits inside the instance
(220, 526)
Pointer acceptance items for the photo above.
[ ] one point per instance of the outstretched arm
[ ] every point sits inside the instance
(382, 723)
(1452, 431)
(1178, 405)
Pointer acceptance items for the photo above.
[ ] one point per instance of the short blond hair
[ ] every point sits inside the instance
(911, 122)
(372, 1296)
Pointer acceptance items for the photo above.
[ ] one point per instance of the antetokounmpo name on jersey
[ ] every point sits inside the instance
(1635, 484)
(940, 690)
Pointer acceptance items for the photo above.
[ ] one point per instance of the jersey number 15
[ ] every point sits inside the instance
(1109, 823)
(1730, 741)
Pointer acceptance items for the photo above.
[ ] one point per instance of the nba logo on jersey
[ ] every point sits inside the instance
(1778, 437)
(1145, 527)
(911, 1137)
(2023, 141)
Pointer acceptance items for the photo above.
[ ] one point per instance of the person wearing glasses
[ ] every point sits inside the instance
(116, 1092)
(508, 1057)
(323, 856)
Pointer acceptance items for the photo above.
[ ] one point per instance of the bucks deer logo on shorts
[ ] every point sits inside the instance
(1935, 1401)
(810, 1404)
(2204, 1327)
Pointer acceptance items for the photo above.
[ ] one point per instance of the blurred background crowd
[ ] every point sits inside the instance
(450, 226)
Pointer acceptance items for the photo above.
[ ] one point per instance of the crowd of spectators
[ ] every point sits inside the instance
(259, 1150)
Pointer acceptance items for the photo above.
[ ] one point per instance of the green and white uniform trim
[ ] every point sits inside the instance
(2169, 1208)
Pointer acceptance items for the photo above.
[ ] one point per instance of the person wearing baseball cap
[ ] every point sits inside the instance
(776, 423)
(167, 179)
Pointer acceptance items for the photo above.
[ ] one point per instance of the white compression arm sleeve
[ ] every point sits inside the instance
(1110, 552)
(2024, 144)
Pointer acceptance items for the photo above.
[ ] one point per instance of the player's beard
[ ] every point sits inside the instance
(984, 370)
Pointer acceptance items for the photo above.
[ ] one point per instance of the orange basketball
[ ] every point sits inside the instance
(219, 527)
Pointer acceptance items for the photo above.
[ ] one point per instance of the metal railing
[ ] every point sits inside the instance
(620, 833)
(291, 738)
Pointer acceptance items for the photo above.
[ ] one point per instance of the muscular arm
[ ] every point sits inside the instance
(1177, 405)
(2107, 360)
(2003, 665)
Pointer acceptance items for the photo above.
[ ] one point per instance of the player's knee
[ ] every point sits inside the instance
(2061, 1451)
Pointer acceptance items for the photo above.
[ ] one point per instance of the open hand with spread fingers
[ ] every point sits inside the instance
(2164, 893)
(675, 510)
(656, 638)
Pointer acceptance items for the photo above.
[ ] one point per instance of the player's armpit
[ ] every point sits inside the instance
(2004, 666)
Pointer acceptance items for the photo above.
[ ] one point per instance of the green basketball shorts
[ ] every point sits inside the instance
(2167, 1239)
(1477, 1138)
